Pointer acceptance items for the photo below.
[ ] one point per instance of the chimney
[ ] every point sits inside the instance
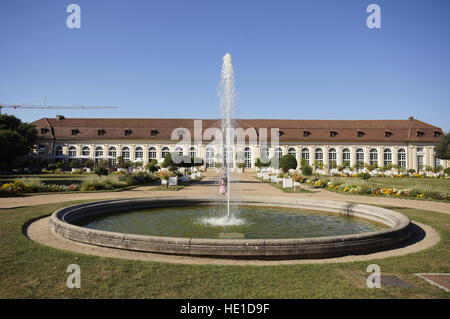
(60, 117)
(411, 118)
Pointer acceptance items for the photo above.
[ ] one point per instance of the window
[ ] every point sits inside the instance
(59, 151)
(359, 156)
(126, 153)
(387, 157)
(437, 133)
(192, 152)
(373, 159)
(333, 133)
(85, 151)
(278, 152)
(420, 134)
(229, 157)
(101, 132)
(128, 132)
(152, 153)
(72, 151)
(401, 156)
(332, 157)
(419, 149)
(318, 155)
(306, 133)
(139, 154)
(292, 152)
(209, 157)
(248, 157)
(99, 151)
(361, 133)
(437, 161)
(112, 162)
(305, 155)
(75, 131)
(387, 134)
(179, 151)
(420, 161)
(154, 132)
(346, 157)
(164, 152)
(264, 154)
(112, 152)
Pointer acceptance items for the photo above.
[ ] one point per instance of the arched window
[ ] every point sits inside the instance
(112, 152)
(401, 156)
(72, 151)
(292, 151)
(192, 152)
(85, 151)
(59, 151)
(278, 152)
(346, 157)
(332, 157)
(152, 152)
(305, 155)
(318, 155)
(229, 157)
(139, 154)
(164, 152)
(99, 151)
(179, 151)
(209, 157)
(41, 150)
(264, 154)
(126, 153)
(387, 157)
(248, 157)
(373, 159)
(360, 156)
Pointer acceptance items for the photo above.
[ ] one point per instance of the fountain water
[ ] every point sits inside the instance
(227, 105)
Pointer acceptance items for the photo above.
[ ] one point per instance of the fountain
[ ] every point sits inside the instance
(272, 227)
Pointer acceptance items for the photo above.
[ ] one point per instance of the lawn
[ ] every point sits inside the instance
(30, 270)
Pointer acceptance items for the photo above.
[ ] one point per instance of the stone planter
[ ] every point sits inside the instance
(287, 183)
(173, 181)
(163, 182)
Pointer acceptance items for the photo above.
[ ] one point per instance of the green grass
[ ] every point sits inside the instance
(31, 270)
(424, 184)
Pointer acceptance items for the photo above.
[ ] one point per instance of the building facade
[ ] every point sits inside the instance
(407, 143)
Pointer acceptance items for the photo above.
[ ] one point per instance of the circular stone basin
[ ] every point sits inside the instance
(275, 228)
(253, 222)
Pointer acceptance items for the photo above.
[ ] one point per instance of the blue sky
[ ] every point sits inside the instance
(292, 59)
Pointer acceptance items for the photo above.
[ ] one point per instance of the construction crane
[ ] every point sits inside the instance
(44, 106)
(19, 106)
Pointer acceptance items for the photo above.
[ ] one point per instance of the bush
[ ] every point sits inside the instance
(101, 169)
(447, 171)
(306, 170)
(75, 164)
(288, 162)
(364, 176)
(89, 164)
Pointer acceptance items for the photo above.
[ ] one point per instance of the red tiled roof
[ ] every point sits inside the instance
(292, 130)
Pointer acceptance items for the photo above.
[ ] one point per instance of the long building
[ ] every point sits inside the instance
(408, 143)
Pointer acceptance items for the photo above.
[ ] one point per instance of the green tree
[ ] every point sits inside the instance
(288, 162)
(443, 147)
(16, 139)
(101, 169)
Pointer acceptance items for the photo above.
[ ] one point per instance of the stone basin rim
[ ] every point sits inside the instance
(60, 224)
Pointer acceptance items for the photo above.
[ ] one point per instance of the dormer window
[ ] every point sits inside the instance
(75, 131)
(101, 132)
(437, 133)
(420, 134)
(280, 133)
(333, 133)
(44, 131)
(128, 132)
(306, 133)
(154, 132)
(361, 133)
(387, 134)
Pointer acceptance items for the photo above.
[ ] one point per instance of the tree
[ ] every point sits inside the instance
(260, 163)
(443, 147)
(306, 170)
(101, 168)
(288, 162)
(364, 176)
(89, 163)
(123, 163)
(16, 139)
(167, 161)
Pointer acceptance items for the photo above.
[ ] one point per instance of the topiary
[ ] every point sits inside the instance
(288, 162)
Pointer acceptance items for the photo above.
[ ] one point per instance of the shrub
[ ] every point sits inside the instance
(306, 170)
(447, 171)
(288, 162)
(364, 176)
(101, 168)
(74, 164)
(89, 164)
